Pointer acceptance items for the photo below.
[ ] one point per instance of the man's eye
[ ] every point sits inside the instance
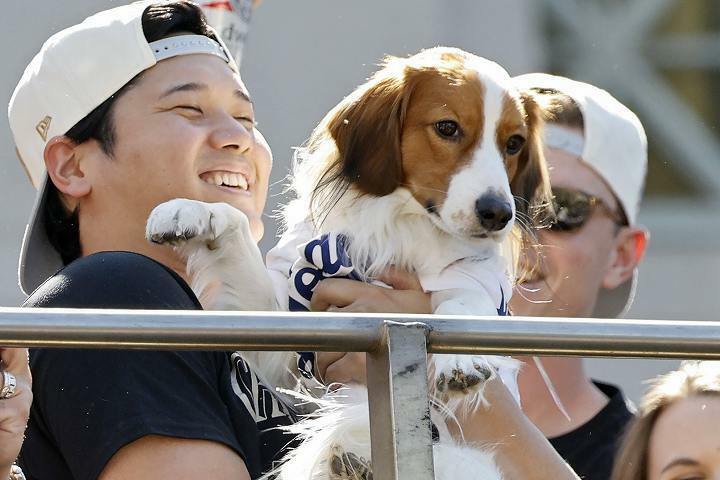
(247, 121)
(190, 107)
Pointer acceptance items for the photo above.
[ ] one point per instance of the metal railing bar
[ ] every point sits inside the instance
(401, 435)
(185, 330)
(327, 332)
(581, 337)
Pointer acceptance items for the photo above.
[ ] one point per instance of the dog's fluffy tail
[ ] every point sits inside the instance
(463, 462)
(336, 445)
(335, 438)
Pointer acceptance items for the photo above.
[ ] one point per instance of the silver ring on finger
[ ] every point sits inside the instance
(8, 385)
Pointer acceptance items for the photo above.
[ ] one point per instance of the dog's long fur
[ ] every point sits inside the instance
(404, 199)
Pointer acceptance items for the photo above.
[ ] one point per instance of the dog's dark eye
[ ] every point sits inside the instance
(447, 128)
(514, 144)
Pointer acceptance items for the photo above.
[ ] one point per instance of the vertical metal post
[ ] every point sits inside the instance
(401, 437)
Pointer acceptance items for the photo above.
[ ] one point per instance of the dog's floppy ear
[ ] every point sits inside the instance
(531, 183)
(367, 127)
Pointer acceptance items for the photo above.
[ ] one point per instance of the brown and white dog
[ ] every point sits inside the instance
(425, 167)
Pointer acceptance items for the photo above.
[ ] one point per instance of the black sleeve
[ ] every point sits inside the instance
(90, 403)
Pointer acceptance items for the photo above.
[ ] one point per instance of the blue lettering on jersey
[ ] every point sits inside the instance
(503, 308)
(321, 258)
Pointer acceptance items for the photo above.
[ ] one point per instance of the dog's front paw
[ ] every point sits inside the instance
(348, 466)
(460, 381)
(463, 375)
(179, 221)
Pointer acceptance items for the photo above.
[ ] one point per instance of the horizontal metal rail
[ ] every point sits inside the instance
(156, 329)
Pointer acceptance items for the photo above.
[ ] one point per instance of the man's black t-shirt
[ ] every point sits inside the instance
(90, 403)
(591, 448)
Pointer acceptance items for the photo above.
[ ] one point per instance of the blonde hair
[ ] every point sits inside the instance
(691, 379)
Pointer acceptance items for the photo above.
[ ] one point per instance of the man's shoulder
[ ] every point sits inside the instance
(90, 403)
(114, 280)
(93, 402)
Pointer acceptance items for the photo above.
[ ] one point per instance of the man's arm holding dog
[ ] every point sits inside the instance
(521, 450)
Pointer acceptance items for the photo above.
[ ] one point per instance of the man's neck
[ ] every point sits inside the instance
(580, 398)
(129, 239)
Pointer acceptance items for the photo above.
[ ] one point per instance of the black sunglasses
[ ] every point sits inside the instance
(574, 207)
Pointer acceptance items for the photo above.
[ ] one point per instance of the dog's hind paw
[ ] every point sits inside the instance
(348, 466)
(179, 221)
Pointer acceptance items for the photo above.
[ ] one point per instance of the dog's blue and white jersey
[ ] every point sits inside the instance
(307, 263)
(318, 257)
(326, 257)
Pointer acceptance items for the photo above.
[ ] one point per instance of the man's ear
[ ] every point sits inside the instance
(62, 161)
(630, 246)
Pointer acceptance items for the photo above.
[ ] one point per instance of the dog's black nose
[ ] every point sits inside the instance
(493, 212)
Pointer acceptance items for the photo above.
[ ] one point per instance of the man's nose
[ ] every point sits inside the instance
(230, 134)
(493, 212)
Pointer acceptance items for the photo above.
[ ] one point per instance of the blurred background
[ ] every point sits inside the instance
(660, 57)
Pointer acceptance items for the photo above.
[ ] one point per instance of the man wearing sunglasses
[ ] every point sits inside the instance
(587, 262)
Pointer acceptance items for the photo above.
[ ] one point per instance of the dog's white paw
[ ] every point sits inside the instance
(459, 374)
(179, 221)
(348, 466)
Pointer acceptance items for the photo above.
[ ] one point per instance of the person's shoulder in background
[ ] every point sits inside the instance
(591, 448)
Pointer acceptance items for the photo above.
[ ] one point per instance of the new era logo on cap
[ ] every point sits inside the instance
(43, 127)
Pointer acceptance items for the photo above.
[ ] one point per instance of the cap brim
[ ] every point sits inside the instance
(38, 258)
(615, 303)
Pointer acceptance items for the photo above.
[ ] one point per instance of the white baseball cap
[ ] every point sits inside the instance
(614, 145)
(76, 70)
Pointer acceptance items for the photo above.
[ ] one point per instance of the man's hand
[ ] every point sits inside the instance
(14, 411)
(343, 295)
(351, 296)
(341, 367)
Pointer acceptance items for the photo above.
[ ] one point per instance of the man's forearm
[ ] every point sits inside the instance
(521, 451)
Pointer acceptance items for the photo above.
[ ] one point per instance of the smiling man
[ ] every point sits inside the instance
(136, 106)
